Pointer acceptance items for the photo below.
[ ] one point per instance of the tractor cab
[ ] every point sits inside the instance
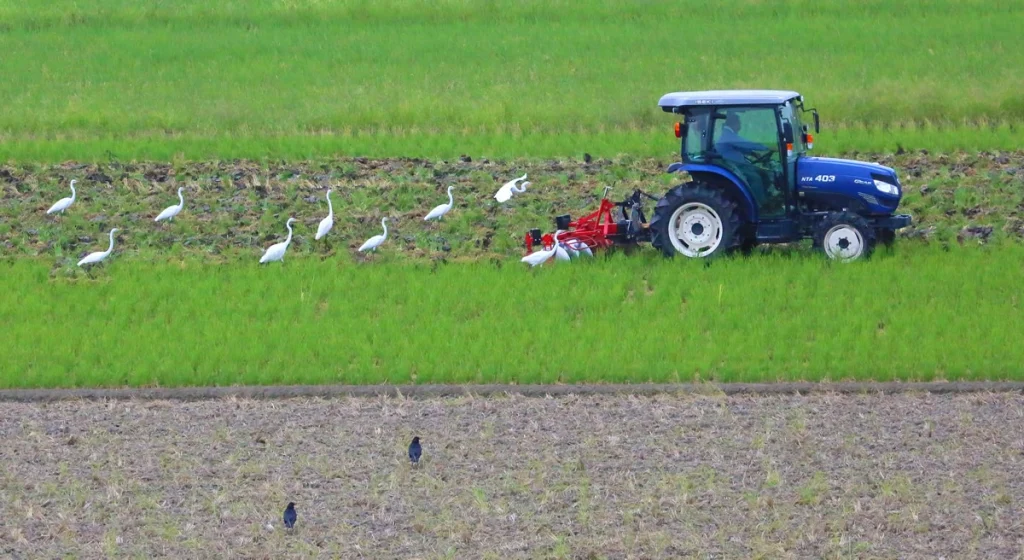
(750, 138)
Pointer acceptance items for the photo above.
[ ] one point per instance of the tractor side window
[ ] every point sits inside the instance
(748, 128)
(696, 136)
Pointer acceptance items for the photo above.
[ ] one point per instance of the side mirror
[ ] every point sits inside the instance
(817, 128)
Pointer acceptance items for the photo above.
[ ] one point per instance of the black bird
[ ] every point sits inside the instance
(415, 450)
(289, 515)
(587, 158)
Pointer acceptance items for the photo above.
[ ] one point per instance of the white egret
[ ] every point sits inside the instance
(171, 211)
(93, 258)
(62, 204)
(327, 223)
(276, 251)
(441, 209)
(506, 190)
(375, 241)
(560, 253)
(541, 255)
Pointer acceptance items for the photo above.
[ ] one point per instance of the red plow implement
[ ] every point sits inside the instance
(599, 229)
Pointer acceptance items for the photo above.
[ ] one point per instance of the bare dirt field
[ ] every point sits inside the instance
(603, 476)
(243, 205)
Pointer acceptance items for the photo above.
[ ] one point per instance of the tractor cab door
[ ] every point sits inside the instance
(745, 140)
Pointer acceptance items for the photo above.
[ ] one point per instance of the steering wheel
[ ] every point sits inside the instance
(759, 159)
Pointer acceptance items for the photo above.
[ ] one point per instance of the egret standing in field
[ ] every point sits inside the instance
(560, 253)
(171, 211)
(327, 223)
(506, 190)
(441, 209)
(375, 241)
(276, 251)
(62, 204)
(98, 256)
(540, 256)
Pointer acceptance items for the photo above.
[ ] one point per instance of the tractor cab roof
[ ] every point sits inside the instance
(671, 102)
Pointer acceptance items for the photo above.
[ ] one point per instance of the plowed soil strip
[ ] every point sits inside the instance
(910, 475)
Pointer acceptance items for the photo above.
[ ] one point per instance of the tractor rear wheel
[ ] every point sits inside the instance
(844, 236)
(695, 221)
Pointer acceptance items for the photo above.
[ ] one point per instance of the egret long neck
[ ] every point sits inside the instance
(450, 199)
(111, 248)
(181, 199)
(289, 240)
(384, 224)
(72, 193)
(330, 207)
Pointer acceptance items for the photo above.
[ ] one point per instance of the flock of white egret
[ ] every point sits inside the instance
(559, 250)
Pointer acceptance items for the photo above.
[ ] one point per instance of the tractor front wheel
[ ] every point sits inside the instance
(844, 237)
(695, 221)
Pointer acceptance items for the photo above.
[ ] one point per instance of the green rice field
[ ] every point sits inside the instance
(921, 313)
(100, 79)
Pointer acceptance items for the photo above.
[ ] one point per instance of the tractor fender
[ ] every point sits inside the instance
(725, 179)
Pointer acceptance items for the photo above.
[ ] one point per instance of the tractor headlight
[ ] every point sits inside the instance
(887, 188)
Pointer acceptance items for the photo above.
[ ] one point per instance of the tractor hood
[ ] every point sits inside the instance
(845, 167)
(874, 186)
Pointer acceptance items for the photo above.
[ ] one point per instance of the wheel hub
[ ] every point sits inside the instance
(697, 229)
(844, 243)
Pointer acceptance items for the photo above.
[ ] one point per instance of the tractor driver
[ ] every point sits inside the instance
(733, 147)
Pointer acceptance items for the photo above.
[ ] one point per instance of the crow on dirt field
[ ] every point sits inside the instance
(289, 515)
(415, 450)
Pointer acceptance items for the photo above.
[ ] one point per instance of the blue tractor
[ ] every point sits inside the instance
(752, 182)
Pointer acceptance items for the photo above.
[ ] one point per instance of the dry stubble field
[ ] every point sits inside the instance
(823, 476)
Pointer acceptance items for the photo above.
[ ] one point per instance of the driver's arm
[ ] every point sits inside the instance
(741, 144)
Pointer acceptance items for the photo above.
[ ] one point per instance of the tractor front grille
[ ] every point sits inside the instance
(870, 199)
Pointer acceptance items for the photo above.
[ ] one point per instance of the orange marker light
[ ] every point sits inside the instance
(810, 141)
(789, 149)
(679, 130)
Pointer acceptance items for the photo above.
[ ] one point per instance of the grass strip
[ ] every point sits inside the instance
(921, 313)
